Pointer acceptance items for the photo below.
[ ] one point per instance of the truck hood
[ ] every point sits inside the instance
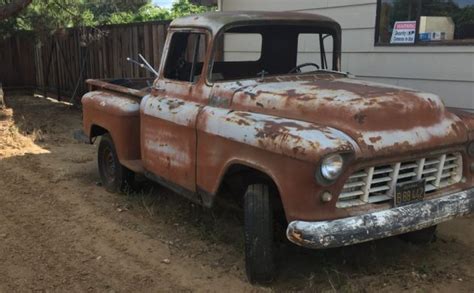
(382, 119)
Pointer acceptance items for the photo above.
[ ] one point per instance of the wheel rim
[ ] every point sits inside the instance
(109, 164)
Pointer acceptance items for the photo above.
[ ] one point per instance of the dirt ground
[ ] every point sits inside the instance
(61, 231)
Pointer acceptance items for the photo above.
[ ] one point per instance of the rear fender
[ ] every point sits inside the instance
(119, 114)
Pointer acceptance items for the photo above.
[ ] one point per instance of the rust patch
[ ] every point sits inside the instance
(298, 149)
(366, 91)
(360, 118)
(375, 139)
(175, 104)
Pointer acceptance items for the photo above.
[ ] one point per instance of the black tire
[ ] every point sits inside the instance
(258, 230)
(423, 236)
(113, 175)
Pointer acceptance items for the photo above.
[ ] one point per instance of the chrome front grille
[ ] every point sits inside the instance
(377, 184)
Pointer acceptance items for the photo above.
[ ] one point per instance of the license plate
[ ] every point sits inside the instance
(409, 192)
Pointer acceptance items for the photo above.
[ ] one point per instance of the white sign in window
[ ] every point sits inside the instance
(404, 32)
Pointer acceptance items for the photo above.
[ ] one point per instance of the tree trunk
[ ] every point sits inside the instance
(12, 8)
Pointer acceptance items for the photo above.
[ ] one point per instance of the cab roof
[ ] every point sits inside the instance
(215, 21)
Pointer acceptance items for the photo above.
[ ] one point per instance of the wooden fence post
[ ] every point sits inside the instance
(2, 100)
(48, 67)
(58, 84)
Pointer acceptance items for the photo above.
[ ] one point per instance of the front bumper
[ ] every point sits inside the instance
(381, 224)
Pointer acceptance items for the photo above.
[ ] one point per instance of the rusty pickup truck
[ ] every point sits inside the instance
(256, 102)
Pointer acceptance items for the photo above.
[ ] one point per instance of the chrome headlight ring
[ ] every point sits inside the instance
(330, 169)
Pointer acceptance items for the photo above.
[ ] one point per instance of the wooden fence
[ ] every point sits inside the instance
(59, 64)
(17, 62)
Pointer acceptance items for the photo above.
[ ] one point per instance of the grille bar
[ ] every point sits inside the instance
(377, 184)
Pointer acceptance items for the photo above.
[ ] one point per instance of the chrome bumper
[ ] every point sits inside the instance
(381, 224)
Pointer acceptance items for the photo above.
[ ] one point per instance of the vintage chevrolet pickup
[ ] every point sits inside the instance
(276, 121)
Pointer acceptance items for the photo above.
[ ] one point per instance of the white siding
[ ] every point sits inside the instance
(445, 70)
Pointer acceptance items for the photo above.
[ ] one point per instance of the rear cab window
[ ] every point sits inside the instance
(266, 50)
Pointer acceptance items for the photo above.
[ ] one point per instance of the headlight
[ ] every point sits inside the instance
(470, 149)
(331, 167)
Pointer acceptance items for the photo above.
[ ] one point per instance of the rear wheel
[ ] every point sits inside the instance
(423, 236)
(258, 229)
(113, 175)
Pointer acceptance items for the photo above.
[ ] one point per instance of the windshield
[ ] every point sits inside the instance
(258, 51)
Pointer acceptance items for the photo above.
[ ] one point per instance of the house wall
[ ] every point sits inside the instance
(445, 70)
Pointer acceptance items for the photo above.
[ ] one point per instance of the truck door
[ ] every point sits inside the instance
(168, 122)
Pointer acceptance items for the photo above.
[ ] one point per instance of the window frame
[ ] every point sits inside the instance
(166, 53)
(335, 60)
(468, 42)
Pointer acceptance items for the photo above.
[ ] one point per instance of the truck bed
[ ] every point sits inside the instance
(137, 87)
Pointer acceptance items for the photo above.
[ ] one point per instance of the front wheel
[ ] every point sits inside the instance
(114, 176)
(258, 228)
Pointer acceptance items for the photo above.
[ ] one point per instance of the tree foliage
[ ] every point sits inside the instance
(150, 12)
(50, 15)
(102, 10)
(9, 8)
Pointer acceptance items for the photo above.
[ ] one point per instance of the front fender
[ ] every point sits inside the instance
(295, 139)
(288, 151)
(468, 120)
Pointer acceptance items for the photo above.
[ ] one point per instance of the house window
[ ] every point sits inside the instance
(425, 22)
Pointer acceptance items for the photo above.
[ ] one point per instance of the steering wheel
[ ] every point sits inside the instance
(298, 68)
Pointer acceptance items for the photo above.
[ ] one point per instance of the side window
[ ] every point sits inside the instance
(185, 56)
